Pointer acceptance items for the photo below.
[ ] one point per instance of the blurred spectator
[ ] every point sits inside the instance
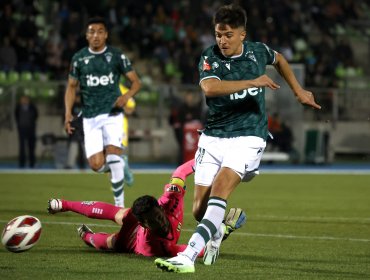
(27, 28)
(282, 140)
(184, 111)
(175, 123)
(76, 154)
(274, 127)
(8, 56)
(343, 51)
(285, 139)
(26, 114)
(191, 109)
(170, 32)
(6, 20)
(187, 64)
(31, 57)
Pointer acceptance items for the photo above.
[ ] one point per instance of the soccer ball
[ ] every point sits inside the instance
(21, 233)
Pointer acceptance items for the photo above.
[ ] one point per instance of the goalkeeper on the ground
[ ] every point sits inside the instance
(150, 227)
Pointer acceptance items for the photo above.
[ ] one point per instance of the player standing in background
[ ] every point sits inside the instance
(128, 109)
(97, 70)
(232, 77)
(150, 227)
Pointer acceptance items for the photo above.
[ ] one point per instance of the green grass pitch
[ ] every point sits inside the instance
(299, 227)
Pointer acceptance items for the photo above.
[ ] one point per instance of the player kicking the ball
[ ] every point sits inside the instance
(150, 227)
(233, 80)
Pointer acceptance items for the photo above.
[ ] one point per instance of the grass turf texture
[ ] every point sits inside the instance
(299, 227)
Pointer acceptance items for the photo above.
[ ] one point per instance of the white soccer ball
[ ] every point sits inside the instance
(21, 233)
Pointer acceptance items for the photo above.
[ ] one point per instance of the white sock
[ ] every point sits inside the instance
(116, 166)
(207, 227)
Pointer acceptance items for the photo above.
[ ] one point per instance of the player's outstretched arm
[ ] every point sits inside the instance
(303, 96)
(213, 87)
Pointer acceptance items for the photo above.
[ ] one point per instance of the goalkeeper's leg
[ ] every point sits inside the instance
(235, 219)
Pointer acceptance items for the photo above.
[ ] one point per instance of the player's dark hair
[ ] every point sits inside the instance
(144, 204)
(97, 20)
(232, 15)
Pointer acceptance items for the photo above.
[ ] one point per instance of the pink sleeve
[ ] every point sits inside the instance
(184, 170)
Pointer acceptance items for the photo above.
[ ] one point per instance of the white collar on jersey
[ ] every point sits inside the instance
(103, 50)
(238, 55)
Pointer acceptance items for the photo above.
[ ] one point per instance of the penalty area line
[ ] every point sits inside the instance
(262, 235)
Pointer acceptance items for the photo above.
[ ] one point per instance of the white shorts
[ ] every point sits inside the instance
(101, 131)
(242, 154)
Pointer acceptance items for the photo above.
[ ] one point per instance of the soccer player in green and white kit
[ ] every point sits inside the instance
(232, 77)
(97, 69)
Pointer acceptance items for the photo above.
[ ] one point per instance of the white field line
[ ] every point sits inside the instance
(314, 219)
(285, 236)
(326, 171)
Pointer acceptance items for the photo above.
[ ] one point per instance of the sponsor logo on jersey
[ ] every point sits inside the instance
(86, 58)
(251, 91)
(206, 66)
(88, 202)
(94, 81)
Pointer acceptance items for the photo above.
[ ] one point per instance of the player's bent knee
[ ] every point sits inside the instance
(96, 166)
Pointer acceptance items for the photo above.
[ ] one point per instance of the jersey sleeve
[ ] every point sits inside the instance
(270, 54)
(74, 69)
(124, 63)
(209, 67)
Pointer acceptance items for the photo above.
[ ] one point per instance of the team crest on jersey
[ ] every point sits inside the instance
(251, 56)
(108, 56)
(215, 65)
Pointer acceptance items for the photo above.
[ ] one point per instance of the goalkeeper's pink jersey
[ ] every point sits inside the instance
(133, 238)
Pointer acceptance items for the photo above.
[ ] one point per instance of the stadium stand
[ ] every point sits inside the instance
(328, 37)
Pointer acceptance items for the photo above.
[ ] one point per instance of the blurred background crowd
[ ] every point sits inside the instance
(327, 42)
(42, 36)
